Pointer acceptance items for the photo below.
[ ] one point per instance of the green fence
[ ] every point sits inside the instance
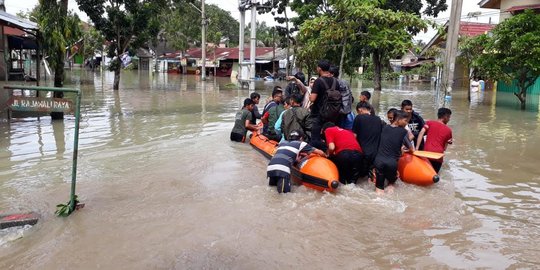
(511, 88)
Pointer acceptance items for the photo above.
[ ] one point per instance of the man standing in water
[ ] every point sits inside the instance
(318, 93)
(242, 122)
(386, 162)
(279, 167)
(439, 136)
(416, 122)
(255, 114)
(367, 128)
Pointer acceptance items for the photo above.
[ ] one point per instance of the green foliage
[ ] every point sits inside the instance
(181, 25)
(124, 23)
(511, 52)
(59, 29)
(64, 210)
(93, 42)
(364, 25)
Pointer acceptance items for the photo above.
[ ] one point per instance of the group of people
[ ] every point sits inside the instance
(361, 145)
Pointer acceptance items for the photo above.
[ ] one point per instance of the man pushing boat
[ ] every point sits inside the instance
(279, 167)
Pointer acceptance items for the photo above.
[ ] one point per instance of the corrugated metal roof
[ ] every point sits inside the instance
(14, 21)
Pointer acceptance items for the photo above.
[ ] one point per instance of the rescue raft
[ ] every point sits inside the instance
(416, 170)
(313, 171)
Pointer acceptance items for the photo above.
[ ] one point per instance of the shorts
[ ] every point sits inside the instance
(235, 137)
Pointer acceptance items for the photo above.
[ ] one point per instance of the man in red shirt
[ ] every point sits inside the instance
(344, 151)
(439, 135)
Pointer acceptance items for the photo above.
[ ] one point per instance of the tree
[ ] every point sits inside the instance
(512, 52)
(124, 23)
(362, 28)
(58, 29)
(181, 31)
(93, 42)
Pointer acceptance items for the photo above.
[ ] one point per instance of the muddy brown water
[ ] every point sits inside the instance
(165, 188)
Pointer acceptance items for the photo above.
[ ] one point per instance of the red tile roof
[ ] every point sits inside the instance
(472, 29)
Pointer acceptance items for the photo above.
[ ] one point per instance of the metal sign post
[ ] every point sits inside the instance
(38, 104)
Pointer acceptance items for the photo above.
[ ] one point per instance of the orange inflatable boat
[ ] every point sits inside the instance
(314, 172)
(416, 170)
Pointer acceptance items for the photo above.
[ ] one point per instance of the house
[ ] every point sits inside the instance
(223, 62)
(466, 29)
(508, 8)
(18, 48)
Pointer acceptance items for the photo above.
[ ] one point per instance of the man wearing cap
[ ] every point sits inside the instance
(279, 167)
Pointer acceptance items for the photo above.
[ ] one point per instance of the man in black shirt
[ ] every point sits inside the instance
(416, 122)
(367, 128)
(255, 114)
(317, 95)
(386, 162)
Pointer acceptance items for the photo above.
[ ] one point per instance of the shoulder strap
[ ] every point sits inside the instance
(324, 82)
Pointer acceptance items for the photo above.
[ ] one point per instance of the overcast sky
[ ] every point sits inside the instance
(14, 6)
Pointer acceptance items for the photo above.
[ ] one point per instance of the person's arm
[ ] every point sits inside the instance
(256, 113)
(421, 135)
(331, 148)
(408, 144)
(250, 126)
(264, 118)
(319, 152)
(329, 135)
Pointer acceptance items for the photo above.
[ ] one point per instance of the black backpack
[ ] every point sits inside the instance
(346, 97)
(332, 103)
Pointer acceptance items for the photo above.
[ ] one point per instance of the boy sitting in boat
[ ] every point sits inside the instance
(386, 162)
(279, 167)
(242, 122)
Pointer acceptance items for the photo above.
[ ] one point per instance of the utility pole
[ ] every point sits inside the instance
(452, 44)
(253, 46)
(242, 9)
(203, 71)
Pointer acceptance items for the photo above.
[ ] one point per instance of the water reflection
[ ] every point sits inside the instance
(155, 163)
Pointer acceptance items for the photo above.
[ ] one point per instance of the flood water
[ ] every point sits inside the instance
(164, 188)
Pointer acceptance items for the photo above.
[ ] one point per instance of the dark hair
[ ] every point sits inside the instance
(277, 87)
(366, 94)
(392, 111)
(324, 64)
(363, 105)
(300, 76)
(399, 114)
(276, 91)
(287, 100)
(296, 135)
(327, 125)
(334, 71)
(406, 102)
(297, 98)
(442, 112)
(254, 95)
(248, 101)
